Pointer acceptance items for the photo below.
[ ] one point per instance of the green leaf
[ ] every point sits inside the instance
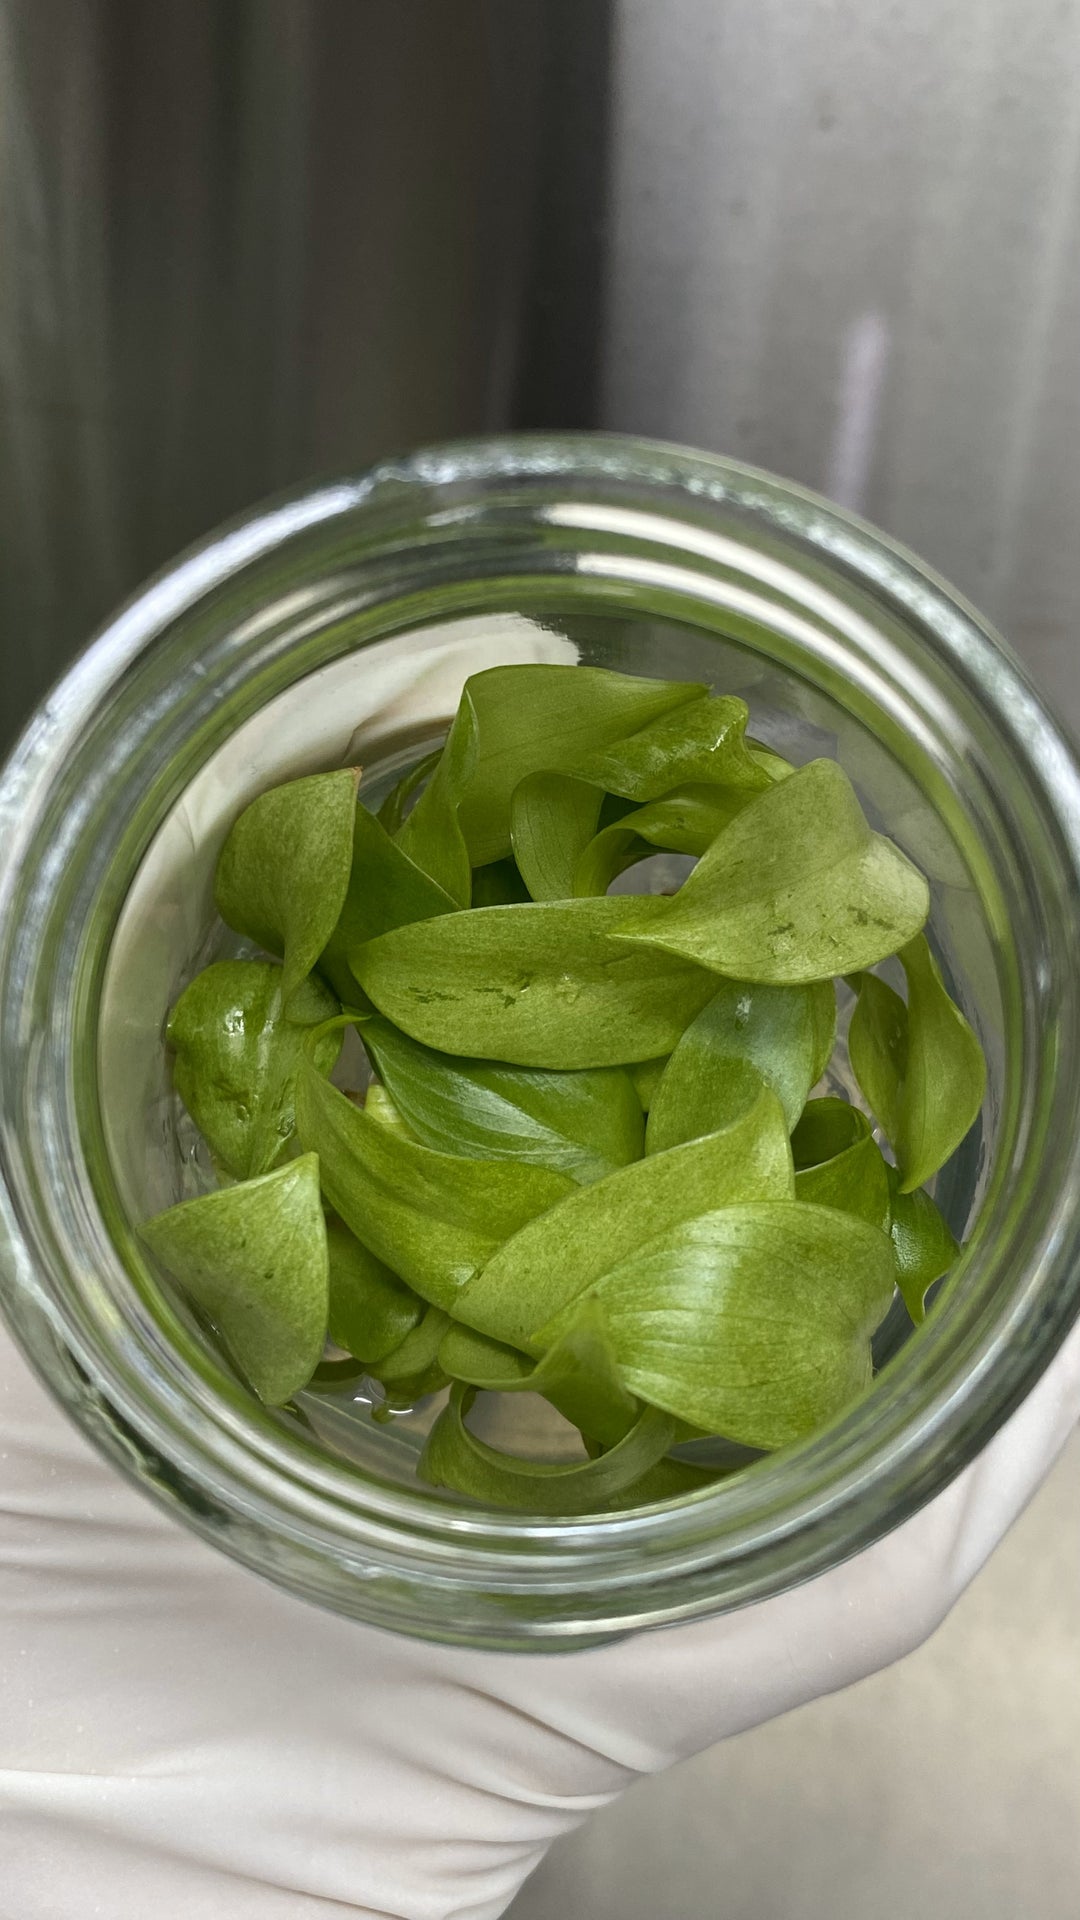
(782, 1036)
(386, 890)
(253, 1258)
(797, 888)
(392, 812)
(537, 718)
(751, 1321)
(283, 872)
(379, 1106)
(371, 1310)
(838, 1162)
(498, 885)
(577, 1374)
(552, 820)
(920, 1066)
(453, 1457)
(922, 1243)
(431, 834)
(236, 1055)
(701, 741)
(685, 821)
(552, 1260)
(538, 986)
(434, 1218)
(415, 1356)
(646, 1076)
(585, 1124)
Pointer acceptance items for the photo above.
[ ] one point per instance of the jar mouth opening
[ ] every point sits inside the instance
(600, 525)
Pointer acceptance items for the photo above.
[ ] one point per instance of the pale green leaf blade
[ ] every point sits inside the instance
(752, 1321)
(453, 1457)
(283, 872)
(945, 1083)
(838, 1162)
(920, 1067)
(433, 1218)
(922, 1243)
(371, 1310)
(702, 742)
(552, 1260)
(535, 986)
(877, 1049)
(379, 1107)
(253, 1258)
(394, 808)
(585, 1123)
(684, 821)
(236, 1054)
(432, 834)
(537, 718)
(646, 1076)
(797, 888)
(386, 890)
(744, 1036)
(413, 1369)
(552, 820)
(577, 1373)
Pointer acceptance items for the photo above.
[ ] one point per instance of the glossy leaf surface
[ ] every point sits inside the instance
(538, 986)
(552, 1261)
(585, 1124)
(236, 1057)
(433, 1218)
(920, 1066)
(283, 872)
(747, 1035)
(797, 888)
(254, 1258)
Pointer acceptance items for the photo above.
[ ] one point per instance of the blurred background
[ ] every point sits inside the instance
(244, 242)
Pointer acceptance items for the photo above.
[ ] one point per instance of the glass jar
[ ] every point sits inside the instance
(340, 624)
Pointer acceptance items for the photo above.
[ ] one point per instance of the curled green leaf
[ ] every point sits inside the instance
(685, 821)
(283, 872)
(432, 834)
(253, 1258)
(797, 888)
(413, 1369)
(577, 1374)
(453, 1457)
(701, 741)
(539, 718)
(646, 1076)
(920, 1066)
(585, 1123)
(922, 1243)
(236, 1056)
(553, 1259)
(386, 890)
(371, 1310)
(746, 1035)
(433, 1218)
(392, 812)
(751, 1321)
(553, 819)
(838, 1162)
(536, 986)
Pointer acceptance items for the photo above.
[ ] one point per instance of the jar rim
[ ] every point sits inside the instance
(404, 1558)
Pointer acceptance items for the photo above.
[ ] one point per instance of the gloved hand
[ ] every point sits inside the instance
(180, 1740)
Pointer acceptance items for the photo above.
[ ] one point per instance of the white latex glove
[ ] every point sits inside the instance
(181, 1741)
